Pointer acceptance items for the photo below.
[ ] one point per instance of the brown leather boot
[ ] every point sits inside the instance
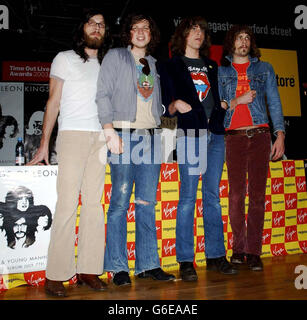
(55, 288)
(92, 281)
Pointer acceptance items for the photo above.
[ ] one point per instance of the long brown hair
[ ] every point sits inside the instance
(134, 18)
(79, 42)
(230, 38)
(179, 39)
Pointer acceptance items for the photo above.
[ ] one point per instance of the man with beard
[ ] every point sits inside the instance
(245, 85)
(81, 163)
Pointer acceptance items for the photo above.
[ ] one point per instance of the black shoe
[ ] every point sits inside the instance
(238, 258)
(254, 262)
(121, 278)
(156, 274)
(221, 265)
(187, 271)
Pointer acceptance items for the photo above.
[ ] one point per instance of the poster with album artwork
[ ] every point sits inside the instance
(11, 120)
(35, 99)
(27, 205)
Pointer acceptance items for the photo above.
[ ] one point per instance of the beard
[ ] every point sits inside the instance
(92, 43)
(243, 52)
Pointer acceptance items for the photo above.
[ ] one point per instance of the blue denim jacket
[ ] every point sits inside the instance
(262, 79)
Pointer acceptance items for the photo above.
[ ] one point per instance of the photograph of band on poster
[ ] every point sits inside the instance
(11, 120)
(27, 205)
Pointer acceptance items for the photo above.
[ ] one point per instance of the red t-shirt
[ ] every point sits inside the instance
(241, 116)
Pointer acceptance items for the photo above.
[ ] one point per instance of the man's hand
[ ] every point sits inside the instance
(41, 154)
(278, 147)
(180, 106)
(114, 141)
(245, 98)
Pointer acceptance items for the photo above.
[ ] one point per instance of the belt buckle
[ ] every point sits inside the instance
(249, 135)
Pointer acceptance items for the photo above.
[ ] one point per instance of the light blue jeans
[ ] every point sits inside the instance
(212, 215)
(139, 164)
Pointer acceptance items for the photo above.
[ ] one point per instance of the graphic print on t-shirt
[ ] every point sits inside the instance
(144, 83)
(201, 82)
(243, 81)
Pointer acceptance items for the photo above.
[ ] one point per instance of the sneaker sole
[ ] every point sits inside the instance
(217, 270)
(237, 261)
(256, 268)
(53, 294)
(189, 279)
(123, 284)
(154, 278)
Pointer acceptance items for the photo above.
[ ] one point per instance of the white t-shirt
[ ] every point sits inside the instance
(78, 109)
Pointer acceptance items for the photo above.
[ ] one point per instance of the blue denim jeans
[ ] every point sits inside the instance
(136, 165)
(212, 215)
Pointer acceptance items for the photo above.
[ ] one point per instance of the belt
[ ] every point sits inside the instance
(141, 132)
(248, 132)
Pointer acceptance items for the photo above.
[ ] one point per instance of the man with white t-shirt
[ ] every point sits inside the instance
(81, 159)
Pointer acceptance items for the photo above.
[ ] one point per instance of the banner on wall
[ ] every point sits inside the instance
(26, 71)
(11, 120)
(285, 66)
(27, 205)
(285, 223)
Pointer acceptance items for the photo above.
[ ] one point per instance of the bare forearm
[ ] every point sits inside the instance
(50, 117)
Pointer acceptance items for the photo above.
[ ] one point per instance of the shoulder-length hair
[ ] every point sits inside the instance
(131, 20)
(78, 38)
(229, 42)
(179, 38)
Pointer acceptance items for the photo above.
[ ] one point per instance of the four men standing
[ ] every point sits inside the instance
(128, 107)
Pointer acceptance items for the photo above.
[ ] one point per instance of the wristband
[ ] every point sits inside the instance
(226, 104)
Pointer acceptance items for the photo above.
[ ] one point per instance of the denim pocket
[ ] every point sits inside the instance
(258, 81)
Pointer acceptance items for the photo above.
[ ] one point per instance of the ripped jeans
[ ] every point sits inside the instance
(136, 165)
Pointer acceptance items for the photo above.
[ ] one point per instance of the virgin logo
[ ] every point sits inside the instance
(131, 252)
(201, 244)
(131, 213)
(290, 202)
(278, 219)
(267, 202)
(276, 186)
(301, 216)
(108, 194)
(168, 212)
(222, 188)
(290, 235)
(200, 209)
(288, 170)
(278, 251)
(168, 248)
(230, 242)
(303, 246)
(300, 185)
(167, 174)
(35, 282)
(265, 236)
